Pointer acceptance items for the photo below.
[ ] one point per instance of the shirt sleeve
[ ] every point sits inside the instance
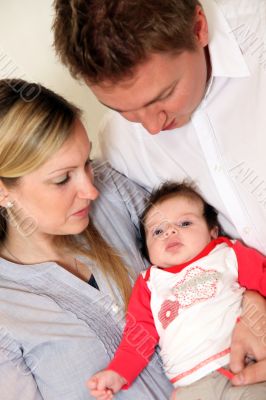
(139, 337)
(16, 380)
(251, 268)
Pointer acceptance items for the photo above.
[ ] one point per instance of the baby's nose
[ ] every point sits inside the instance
(171, 231)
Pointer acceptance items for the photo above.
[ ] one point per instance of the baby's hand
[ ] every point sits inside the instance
(105, 383)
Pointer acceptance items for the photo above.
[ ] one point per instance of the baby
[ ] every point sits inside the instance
(188, 300)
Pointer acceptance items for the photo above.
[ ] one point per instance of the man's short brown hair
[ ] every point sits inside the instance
(105, 39)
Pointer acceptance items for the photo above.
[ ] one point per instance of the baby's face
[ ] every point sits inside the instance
(176, 231)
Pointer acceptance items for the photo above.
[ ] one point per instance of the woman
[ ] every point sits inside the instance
(56, 329)
(63, 287)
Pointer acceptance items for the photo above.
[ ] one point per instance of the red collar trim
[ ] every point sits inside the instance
(210, 246)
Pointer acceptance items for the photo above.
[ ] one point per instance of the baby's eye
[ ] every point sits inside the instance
(88, 163)
(157, 232)
(184, 224)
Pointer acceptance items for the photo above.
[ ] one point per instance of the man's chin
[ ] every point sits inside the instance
(182, 121)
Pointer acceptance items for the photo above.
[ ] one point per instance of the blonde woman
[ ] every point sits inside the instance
(64, 280)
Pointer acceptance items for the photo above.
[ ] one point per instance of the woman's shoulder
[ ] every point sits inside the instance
(107, 175)
(116, 213)
(119, 194)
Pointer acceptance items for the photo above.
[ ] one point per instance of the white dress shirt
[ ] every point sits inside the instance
(222, 149)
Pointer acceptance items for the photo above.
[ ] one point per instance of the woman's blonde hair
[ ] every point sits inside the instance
(34, 123)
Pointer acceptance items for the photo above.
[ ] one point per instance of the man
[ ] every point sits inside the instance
(193, 75)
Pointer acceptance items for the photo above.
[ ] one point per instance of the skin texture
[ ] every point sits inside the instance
(51, 204)
(166, 89)
(176, 231)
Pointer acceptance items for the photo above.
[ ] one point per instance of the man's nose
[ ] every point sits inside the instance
(151, 119)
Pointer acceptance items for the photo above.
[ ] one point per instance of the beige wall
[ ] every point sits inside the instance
(26, 52)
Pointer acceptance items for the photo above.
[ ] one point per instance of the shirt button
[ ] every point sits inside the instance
(246, 230)
(115, 308)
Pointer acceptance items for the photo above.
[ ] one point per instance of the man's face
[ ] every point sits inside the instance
(164, 90)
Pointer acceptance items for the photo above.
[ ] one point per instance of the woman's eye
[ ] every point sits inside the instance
(62, 180)
(184, 224)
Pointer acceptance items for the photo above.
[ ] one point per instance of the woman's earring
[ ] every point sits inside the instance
(9, 204)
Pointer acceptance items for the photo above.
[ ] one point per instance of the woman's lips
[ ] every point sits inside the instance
(83, 212)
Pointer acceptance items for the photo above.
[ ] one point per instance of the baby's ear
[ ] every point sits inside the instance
(214, 232)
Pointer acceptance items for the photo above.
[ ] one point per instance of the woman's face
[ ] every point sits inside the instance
(57, 196)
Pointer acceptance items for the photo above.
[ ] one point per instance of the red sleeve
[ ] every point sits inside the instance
(251, 268)
(139, 337)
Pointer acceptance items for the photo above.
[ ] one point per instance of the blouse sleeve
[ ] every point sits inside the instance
(16, 379)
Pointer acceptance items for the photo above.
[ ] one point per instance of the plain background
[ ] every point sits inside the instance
(26, 52)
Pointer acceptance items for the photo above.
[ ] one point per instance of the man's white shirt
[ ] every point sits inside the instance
(222, 149)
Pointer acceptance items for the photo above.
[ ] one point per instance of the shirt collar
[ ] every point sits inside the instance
(226, 57)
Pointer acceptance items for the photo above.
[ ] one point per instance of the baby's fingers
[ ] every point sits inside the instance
(100, 393)
(105, 394)
(92, 383)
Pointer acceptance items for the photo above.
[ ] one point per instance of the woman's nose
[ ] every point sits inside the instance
(87, 189)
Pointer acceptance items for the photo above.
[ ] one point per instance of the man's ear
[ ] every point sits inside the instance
(201, 31)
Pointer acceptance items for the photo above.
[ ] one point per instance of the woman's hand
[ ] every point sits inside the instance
(104, 384)
(249, 342)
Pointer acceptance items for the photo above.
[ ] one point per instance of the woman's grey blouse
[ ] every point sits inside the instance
(56, 330)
